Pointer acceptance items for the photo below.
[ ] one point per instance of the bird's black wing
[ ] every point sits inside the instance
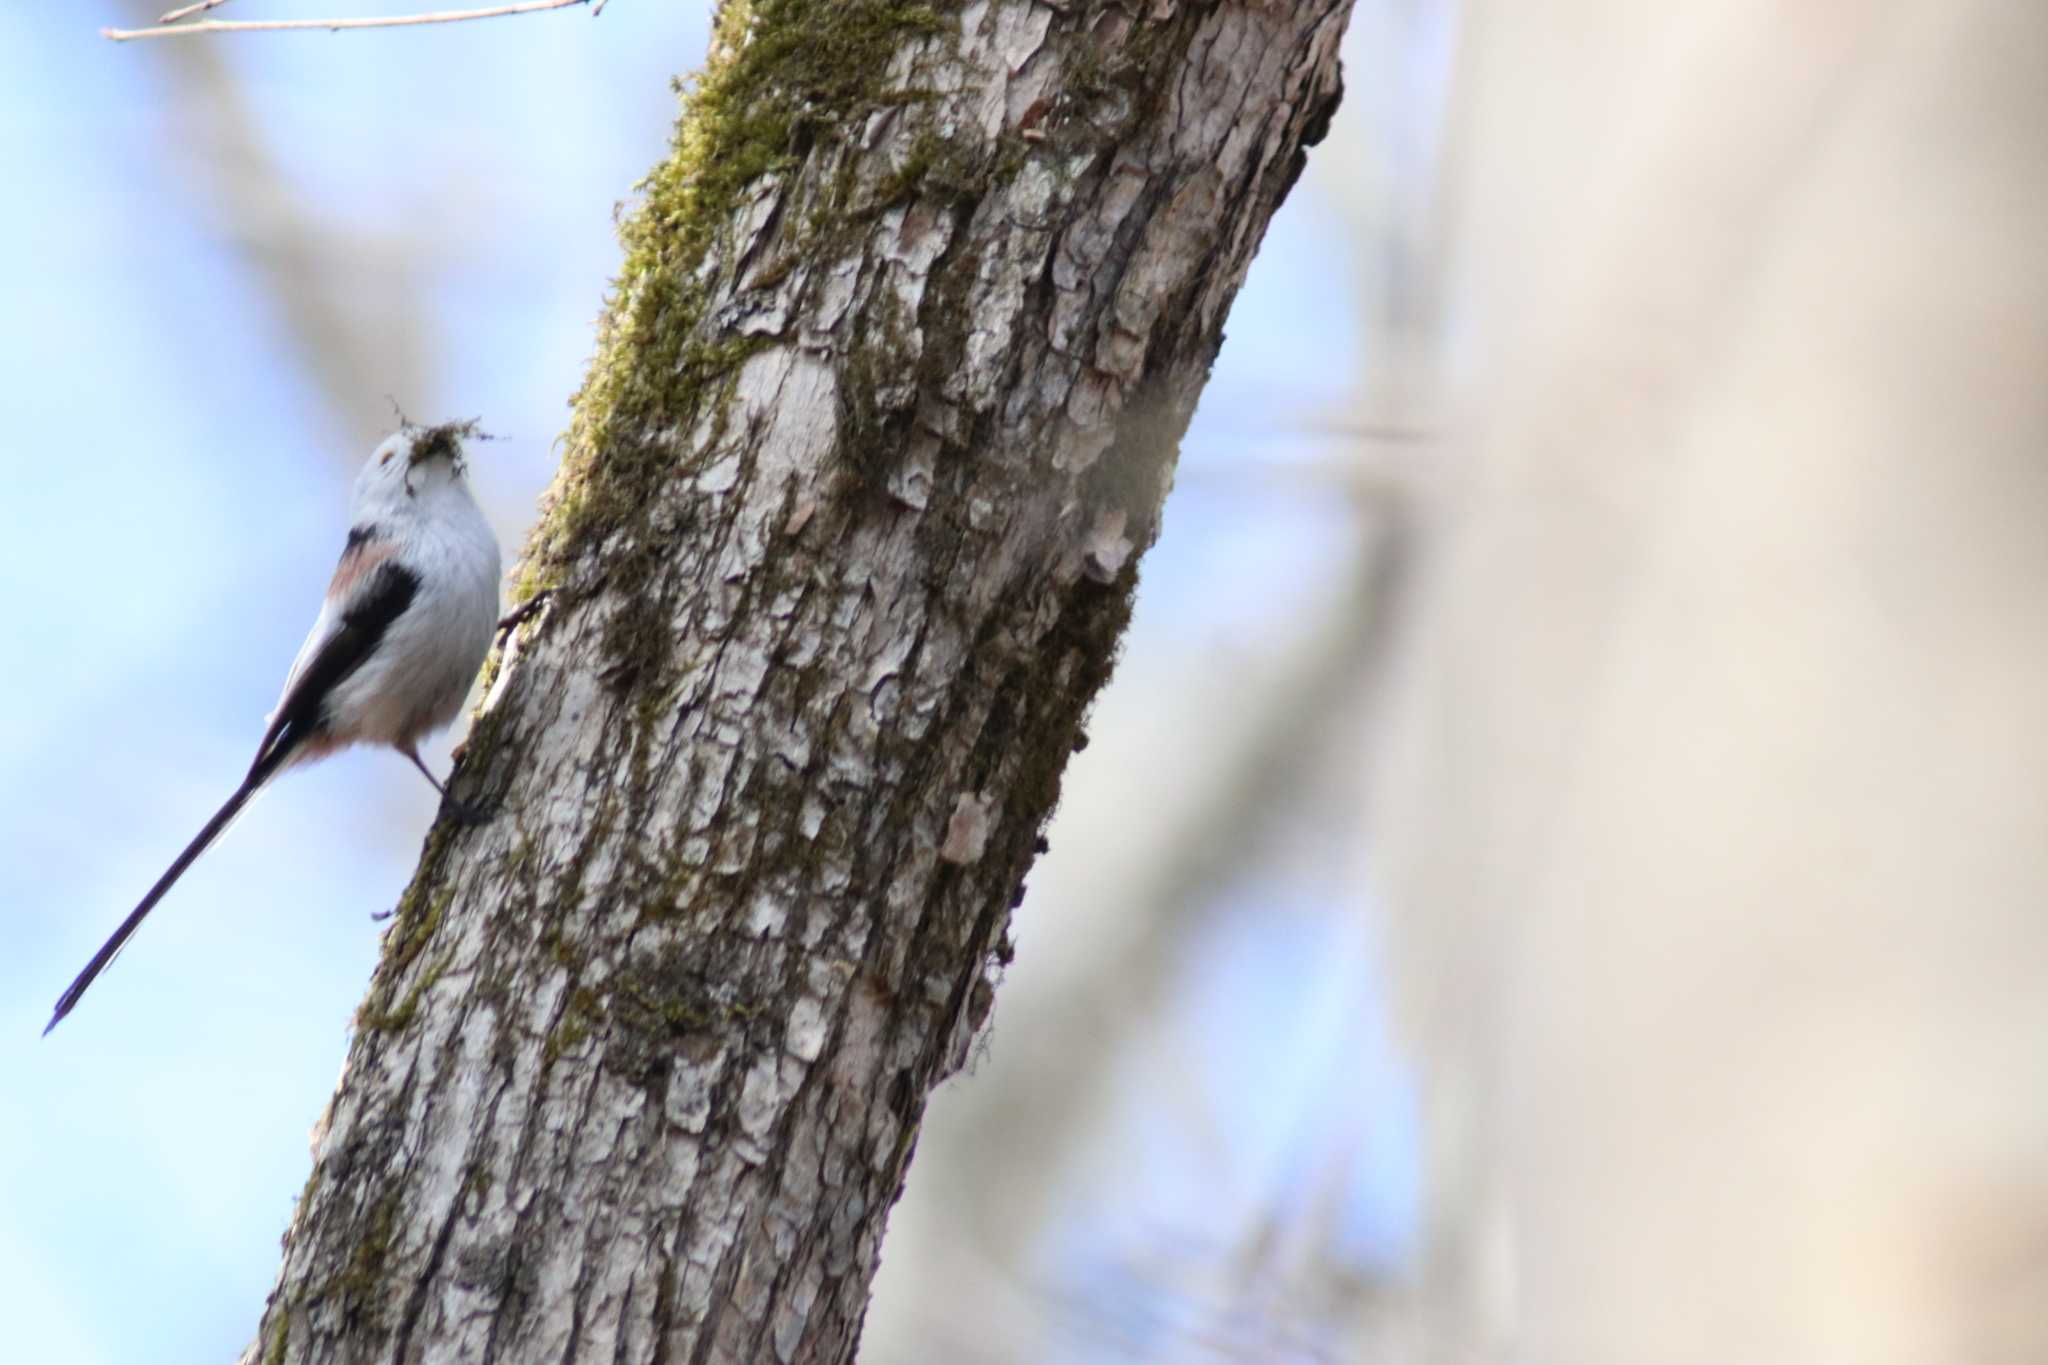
(374, 602)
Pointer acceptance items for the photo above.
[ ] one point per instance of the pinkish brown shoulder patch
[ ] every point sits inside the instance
(357, 560)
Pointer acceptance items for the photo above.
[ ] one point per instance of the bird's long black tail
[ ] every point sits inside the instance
(100, 959)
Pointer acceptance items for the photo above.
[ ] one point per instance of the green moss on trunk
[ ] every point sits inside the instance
(784, 77)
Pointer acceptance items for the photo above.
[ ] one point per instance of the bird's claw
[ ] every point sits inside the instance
(524, 610)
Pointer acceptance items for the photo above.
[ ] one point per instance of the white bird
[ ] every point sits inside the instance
(403, 629)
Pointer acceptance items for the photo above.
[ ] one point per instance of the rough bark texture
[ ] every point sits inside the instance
(884, 410)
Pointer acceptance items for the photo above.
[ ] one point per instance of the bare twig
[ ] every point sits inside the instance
(187, 11)
(451, 16)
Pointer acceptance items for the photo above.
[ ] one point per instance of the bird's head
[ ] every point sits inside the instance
(414, 461)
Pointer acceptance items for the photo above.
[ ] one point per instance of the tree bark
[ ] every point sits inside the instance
(884, 409)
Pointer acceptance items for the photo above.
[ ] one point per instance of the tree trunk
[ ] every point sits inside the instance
(885, 405)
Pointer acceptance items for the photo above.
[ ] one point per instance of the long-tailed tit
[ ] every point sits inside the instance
(404, 627)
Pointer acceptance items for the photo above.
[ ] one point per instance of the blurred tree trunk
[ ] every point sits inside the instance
(1709, 818)
(884, 408)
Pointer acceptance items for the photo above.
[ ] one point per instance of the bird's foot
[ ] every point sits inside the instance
(524, 610)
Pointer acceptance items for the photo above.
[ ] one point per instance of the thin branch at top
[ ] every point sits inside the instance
(450, 16)
(187, 11)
